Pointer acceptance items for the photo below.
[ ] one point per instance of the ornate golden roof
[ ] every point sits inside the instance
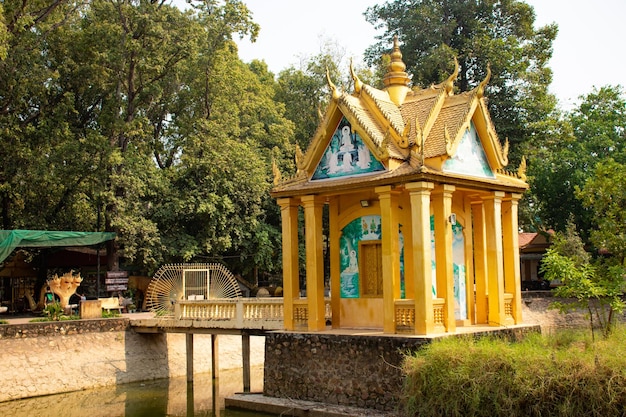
(411, 131)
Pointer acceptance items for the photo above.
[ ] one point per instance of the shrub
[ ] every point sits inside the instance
(564, 374)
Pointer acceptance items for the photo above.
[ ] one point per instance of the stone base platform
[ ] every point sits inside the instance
(299, 408)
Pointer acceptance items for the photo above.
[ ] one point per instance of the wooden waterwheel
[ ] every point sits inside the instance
(176, 282)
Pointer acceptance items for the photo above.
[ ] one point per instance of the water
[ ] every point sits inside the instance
(166, 397)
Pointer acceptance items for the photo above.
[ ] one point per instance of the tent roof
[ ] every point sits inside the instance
(11, 239)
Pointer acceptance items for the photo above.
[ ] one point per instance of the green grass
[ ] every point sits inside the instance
(564, 374)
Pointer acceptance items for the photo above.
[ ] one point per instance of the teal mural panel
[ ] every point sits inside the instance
(433, 260)
(346, 155)
(458, 268)
(360, 229)
(470, 158)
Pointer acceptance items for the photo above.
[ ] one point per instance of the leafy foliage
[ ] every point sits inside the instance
(478, 34)
(565, 156)
(138, 117)
(562, 374)
(596, 287)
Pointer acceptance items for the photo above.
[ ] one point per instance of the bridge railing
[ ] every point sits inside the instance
(228, 313)
(246, 313)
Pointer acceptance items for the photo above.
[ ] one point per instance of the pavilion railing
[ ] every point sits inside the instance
(301, 313)
(405, 315)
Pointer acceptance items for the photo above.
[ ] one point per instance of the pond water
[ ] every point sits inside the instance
(165, 397)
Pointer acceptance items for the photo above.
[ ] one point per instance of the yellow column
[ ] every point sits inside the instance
(406, 221)
(442, 205)
(480, 260)
(421, 256)
(495, 270)
(335, 267)
(291, 282)
(390, 254)
(314, 261)
(510, 242)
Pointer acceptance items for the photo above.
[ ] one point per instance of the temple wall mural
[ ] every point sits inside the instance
(458, 267)
(345, 155)
(470, 157)
(361, 229)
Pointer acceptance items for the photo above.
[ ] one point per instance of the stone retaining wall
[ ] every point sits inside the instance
(365, 371)
(359, 371)
(55, 357)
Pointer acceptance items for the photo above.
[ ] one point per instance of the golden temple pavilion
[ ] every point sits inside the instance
(422, 217)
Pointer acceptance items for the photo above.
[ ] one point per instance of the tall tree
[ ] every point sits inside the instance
(567, 157)
(144, 49)
(495, 33)
(31, 106)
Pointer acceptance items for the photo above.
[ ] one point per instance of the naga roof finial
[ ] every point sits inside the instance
(449, 83)
(332, 86)
(480, 91)
(358, 84)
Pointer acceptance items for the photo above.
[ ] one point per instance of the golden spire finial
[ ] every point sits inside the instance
(396, 80)
(395, 71)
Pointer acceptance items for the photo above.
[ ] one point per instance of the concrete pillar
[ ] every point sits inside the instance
(291, 281)
(390, 254)
(406, 227)
(314, 261)
(495, 268)
(215, 357)
(480, 260)
(189, 353)
(442, 205)
(245, 356)
(421, 256)
(510, 244)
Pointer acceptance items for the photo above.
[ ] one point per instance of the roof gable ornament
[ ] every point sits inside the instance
(358, 84)
(449, 82)
(299, 158)
(505, 152)
(480, 90)
(276, 172)
(521, 170)
(333, 87)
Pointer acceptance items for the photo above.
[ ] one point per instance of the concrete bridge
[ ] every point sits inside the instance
(239, 316)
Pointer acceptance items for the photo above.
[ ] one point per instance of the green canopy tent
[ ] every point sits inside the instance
(11, 239)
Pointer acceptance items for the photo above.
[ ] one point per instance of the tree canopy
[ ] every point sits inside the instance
(480, 34)
(565, 156)
(138, 117)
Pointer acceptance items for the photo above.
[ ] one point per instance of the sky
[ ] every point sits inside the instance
(588, 51)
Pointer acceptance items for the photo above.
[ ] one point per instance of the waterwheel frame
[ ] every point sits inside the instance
(186, 281)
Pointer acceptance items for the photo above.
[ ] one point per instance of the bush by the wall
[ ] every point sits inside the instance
(565, 374)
